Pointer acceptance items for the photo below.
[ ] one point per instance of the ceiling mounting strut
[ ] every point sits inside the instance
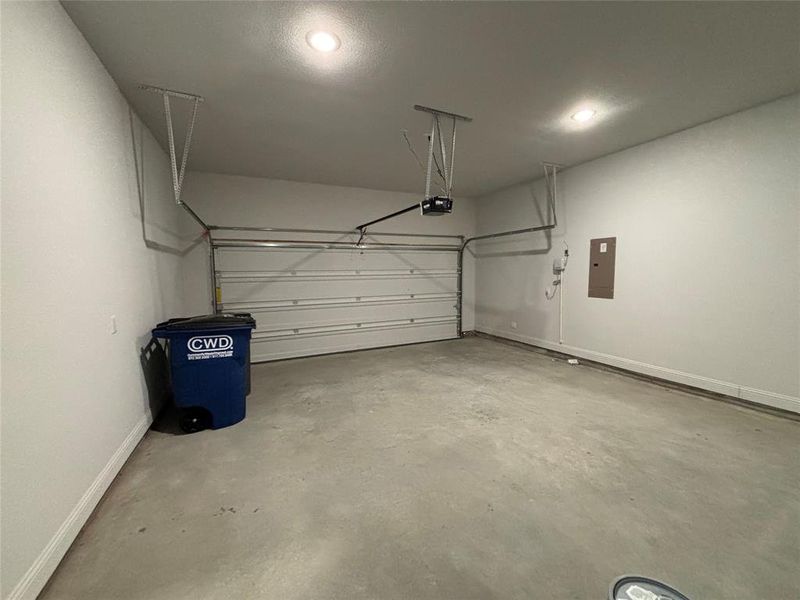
(177, 173)
(432, 204)
(436, 129)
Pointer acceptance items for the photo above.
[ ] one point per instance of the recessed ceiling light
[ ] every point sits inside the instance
(584, 115)
(323, 41)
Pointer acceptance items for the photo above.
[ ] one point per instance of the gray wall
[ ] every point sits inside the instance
(707, 268)
(233, 200)
(74, 402)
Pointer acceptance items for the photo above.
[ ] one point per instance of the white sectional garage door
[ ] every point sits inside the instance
(318, 301)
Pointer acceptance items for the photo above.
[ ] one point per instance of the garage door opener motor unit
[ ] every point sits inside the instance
(436, 206)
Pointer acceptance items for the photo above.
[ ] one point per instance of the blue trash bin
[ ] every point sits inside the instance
(210, 368)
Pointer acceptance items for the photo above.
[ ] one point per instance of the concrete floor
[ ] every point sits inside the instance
(460, 469)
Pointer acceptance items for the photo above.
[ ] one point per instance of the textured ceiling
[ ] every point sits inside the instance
(276, 108)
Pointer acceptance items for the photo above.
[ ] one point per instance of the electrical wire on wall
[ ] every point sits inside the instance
(559, 266)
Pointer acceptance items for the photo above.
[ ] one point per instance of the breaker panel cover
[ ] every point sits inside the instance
(602, 258)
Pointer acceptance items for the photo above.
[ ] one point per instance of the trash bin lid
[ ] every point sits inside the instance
(636, 587)
(218, 321)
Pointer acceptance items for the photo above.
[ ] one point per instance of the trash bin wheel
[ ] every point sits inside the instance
(192, 420)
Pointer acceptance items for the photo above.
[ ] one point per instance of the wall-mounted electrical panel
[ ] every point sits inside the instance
(602, 256)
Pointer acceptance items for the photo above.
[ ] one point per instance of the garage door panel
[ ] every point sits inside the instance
(283, 260)
(291, 346)
(308, 302)
(350, 312)
(294, 289)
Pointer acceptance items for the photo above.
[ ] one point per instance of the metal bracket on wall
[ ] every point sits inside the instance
(550, 180)
(177, 173)
(550, 170)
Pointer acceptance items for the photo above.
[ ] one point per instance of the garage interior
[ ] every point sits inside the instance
(525, 278)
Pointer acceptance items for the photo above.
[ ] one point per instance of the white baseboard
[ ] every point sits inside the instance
(45, 564)
(772, 399)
